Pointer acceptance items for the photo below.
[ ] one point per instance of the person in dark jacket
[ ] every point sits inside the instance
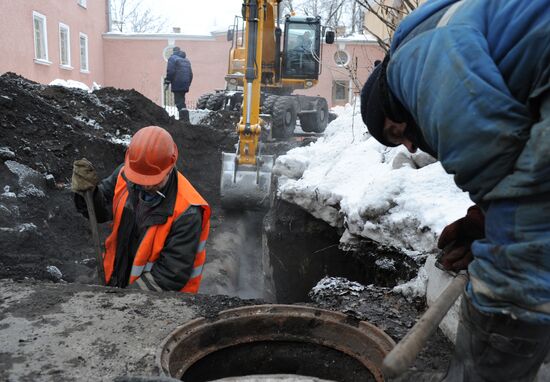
(469, 82)
(179, 76)
(160, 222)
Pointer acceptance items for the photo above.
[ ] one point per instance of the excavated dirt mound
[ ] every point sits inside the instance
(43, 129)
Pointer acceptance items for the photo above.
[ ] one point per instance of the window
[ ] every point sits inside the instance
(84, 53)
(82, 3)
(64, 46)
(40, 38)
(341, 58)
(340, 90)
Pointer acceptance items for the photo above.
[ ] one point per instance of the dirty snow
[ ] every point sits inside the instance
(347, 177)
(349, 180)
(71, 84)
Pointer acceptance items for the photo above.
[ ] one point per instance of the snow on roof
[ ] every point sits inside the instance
(357, 37)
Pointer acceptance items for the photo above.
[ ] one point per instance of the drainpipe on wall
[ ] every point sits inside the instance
(108, 15)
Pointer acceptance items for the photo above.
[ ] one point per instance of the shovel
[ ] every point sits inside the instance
(89, 197)
(404, 353)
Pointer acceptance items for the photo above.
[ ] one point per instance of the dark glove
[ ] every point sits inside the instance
(84, 176)
(457, 238)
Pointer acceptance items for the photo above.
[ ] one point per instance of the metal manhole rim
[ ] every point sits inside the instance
(272, 311)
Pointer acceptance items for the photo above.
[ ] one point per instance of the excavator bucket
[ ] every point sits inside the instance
(246, 186)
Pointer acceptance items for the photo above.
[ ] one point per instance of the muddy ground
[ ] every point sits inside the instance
(43, 129)
(46, 242)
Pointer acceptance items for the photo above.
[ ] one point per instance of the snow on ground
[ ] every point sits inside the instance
(348, 179)
(196, 116)
(384, 194)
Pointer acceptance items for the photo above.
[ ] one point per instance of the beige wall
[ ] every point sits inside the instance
(362, 56)
(17, 38)
(375, 26)
(136, 61)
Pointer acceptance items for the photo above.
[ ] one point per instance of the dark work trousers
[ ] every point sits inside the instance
(179, 100)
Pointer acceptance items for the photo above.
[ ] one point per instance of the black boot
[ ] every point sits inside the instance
(495, 347)
(184, 115)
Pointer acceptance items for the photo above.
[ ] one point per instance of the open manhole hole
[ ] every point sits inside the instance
(275, 340)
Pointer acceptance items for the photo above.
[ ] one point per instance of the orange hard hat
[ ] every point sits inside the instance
(150, 157)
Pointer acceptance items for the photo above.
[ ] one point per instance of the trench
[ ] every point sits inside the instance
(279, 255)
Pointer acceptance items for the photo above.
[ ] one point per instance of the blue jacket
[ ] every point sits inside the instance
(478, 86)
(179, 73)
(472, 86)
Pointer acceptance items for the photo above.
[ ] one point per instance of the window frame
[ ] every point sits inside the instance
(87, 68)
(68, 64)
(337, 53)
(44, 23)
(344, 84)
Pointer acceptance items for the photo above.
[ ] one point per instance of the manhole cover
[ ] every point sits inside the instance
(275, 340)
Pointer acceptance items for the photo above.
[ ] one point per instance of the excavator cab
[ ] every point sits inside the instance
(302, 48)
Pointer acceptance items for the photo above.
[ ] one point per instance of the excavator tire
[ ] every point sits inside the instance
(203, 100)
(316, 122)
(284, 117)
(215, 102)
(267, 107)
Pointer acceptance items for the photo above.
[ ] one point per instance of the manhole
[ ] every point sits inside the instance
(275, 340)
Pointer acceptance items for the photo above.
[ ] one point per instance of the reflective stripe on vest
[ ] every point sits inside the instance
(153, 241)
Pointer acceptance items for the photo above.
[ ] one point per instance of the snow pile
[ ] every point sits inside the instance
(72, 84)
(348, 179)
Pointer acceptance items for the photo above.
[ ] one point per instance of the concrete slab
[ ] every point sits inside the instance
(55, 332)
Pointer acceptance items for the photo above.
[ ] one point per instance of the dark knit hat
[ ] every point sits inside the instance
(372, 109)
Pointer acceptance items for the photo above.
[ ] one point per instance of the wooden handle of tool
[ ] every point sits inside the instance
(405, 352)
(89, 197)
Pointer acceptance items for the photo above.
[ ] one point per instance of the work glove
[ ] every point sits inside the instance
(457, 238)
(84, 176)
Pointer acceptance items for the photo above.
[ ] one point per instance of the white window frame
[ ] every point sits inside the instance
(40, 60)
(66, 65)
(86, 67)
(82, 3)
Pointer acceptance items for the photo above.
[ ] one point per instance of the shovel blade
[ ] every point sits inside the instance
(246, 186)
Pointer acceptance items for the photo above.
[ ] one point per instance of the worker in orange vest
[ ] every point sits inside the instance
(160, 222)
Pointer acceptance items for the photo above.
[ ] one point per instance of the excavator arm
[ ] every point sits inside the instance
(246, 175)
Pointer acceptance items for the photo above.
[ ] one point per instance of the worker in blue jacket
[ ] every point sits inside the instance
(179, 76)
(469, 82)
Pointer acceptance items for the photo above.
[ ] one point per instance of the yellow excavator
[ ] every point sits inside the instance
(268, 65)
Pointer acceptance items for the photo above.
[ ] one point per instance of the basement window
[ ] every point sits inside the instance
(40, 39)
(64, 46)
(84, 53)
(340, 90)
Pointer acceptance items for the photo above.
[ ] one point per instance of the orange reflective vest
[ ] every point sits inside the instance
(153, 241)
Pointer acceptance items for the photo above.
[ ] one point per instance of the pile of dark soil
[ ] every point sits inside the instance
(387, 310)
(43, 129)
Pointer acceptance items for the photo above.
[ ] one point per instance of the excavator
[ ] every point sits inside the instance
(267, 73)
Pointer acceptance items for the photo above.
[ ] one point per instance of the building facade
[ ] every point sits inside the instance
(44, 40)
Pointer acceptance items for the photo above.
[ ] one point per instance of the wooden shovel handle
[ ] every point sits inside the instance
(405, 352)
(89, 197)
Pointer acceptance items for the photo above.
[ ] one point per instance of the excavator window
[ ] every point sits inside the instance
(301, 50)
